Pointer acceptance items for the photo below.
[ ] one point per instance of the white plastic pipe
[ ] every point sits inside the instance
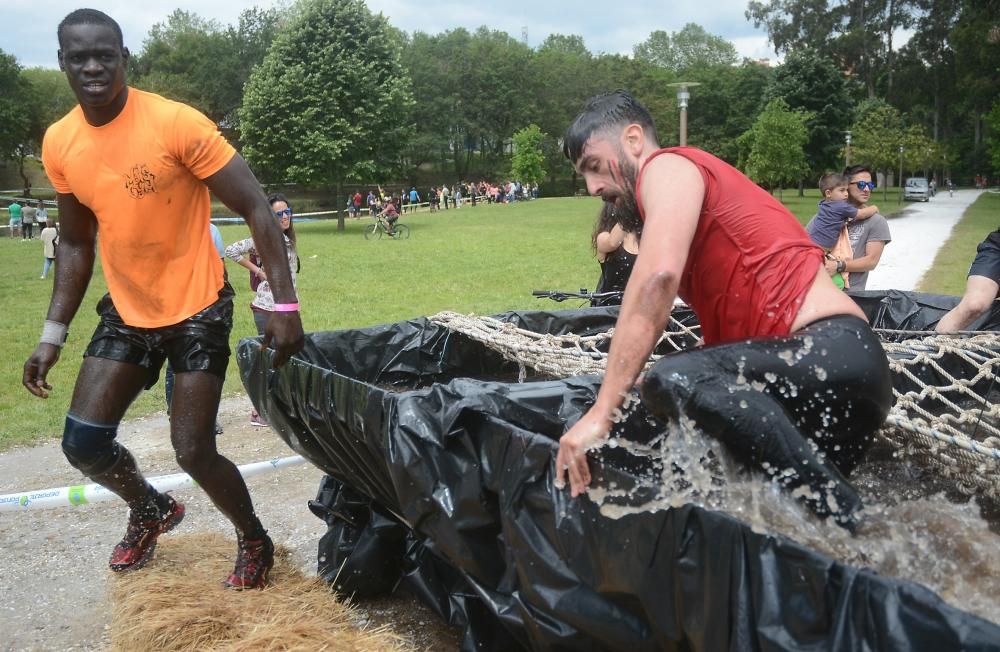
(85, 494)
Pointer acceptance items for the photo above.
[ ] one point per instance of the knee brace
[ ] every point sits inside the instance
(89, 447)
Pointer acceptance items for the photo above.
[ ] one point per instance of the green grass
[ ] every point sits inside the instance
(951, 265)
(483, 260)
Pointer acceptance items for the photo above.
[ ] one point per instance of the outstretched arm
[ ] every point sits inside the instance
(866, 212)
(672, 193)
(238, 189)
(77, 238)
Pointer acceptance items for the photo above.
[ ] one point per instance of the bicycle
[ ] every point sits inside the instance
(381, 226)
(595, 298)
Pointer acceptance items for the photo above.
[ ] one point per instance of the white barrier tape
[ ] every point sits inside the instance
(85, 494)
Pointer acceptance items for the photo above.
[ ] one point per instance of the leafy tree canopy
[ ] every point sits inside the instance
(692, 47)
(812, 83)
(51, 98)
(331, 101)
(202, 63)
(993, 119)
(528, 164)
(15, 114)
(775, 144)
(857, 34)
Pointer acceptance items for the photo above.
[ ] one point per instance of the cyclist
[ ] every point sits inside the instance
(391, 215)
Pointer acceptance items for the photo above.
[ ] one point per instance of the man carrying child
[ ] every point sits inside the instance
(868, 237)
(829, 228)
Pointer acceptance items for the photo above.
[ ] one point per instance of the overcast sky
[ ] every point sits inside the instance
(610, 26)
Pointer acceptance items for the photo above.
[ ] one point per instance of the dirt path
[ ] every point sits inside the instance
(53, 563)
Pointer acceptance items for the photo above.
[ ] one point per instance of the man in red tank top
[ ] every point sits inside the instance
(786, 352)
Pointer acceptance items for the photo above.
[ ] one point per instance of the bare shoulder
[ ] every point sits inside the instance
(671, 179)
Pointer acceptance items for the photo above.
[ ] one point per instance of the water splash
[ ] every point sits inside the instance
(912, 527)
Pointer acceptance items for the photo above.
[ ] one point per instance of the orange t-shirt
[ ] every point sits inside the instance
(141, 174)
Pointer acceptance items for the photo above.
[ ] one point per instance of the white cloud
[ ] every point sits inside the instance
(755, 47)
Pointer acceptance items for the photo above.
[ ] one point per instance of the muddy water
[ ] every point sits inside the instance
(913, 526)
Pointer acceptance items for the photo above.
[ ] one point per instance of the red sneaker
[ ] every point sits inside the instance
(137, 547)
(254, 560)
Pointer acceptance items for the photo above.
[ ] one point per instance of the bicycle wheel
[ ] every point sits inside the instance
(373, 232)
(402, 232)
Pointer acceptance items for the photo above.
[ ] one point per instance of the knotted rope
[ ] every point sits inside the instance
(945, 420)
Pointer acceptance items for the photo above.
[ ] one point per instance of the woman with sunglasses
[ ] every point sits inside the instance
(244, 253)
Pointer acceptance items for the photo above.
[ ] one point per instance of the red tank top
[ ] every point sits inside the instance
(750, 264)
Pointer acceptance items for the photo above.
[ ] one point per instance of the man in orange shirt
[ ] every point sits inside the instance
(137, 168)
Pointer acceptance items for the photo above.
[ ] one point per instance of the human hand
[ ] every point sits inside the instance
(283, 333)
(260, 274)
(873, 206)
(830, 264)
(587, 433)
(44, 357)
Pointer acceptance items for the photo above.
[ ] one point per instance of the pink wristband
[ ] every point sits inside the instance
(286, 307)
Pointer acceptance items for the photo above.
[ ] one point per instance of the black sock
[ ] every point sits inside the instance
(257, 531)
(146, 509)
(151, 506)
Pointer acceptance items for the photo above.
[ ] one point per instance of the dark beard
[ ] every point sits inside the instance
(627, 206)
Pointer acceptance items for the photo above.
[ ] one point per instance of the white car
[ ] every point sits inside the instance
(917, 188)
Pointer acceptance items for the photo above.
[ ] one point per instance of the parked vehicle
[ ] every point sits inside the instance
(917, 188)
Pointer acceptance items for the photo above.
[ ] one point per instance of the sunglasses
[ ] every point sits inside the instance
(285, 213)
(866, 184)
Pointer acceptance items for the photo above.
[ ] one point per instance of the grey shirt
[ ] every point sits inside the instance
(28, 214)
(860, 233)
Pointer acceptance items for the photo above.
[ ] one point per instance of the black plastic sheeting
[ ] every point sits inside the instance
(917, 311)
(440, 480)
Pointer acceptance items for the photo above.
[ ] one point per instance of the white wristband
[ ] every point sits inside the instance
(53, 332)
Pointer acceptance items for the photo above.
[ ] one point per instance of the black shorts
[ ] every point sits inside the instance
(987, 262)
(199, 343)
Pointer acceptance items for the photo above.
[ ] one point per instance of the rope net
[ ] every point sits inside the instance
(946, 415)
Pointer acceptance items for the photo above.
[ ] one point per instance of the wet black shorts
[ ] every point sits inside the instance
(199, 343)
(987, 262)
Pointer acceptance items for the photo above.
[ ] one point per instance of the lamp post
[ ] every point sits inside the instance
(682, 103)
(900, 200)
(847, 150)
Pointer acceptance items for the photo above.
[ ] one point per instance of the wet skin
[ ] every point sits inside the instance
(94, 62)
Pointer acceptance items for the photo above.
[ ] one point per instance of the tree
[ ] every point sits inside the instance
(977, 64)
(857, 34)
(561, 71)
(877, 135)
(331, 100)
(471, 92)
(775, 145)
(810, 82)
(184, 59)
(45, 97)
(53, 97)
(528, 164)
(16, 100)
(202, 63)
(692, 47)
(993, 120)
(725, 105)
(571, 45)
